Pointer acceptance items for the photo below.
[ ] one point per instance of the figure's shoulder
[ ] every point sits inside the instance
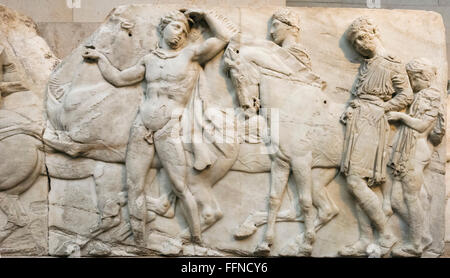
(298, 48)
(394, 63)
(147, 57)
(393, 59)
(431, 93)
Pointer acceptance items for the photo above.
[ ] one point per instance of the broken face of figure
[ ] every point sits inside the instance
(175, 34)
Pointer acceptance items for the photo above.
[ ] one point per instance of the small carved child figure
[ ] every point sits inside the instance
(422, 129)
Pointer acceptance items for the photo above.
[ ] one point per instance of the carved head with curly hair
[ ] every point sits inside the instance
(173, 29)
(285, 23)
(364, 36)
(421, 72)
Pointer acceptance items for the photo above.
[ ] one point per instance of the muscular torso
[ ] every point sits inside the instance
(170, 82)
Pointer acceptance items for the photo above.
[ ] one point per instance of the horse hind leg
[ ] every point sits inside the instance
(302, 172)
(326, 207)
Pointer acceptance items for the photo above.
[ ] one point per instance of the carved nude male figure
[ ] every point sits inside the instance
(171, 72)
(422, 129)
(382, 86)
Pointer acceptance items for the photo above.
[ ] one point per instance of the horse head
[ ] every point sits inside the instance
(244, 75)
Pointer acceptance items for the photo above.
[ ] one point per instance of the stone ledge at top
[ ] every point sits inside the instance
(97, 10)
(42, 10)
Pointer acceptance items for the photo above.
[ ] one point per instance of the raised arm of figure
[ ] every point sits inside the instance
(220, 27)
(114, 76)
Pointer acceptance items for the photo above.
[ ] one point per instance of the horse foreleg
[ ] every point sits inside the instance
(279, 178)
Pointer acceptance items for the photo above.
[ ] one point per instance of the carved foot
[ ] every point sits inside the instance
(325, 218)
(298, 247)
(105, 224)
(406, 251)
(122, 233)
(386, 243)
(158, 205)
(207, 220)
(185, 235)
(357, 249)
(7, 231)
(197, 240)
(246, 229)
(263, 249)
(99, 249)
(304, 250)
(290, 250)
(427, 240)
(68, 249)
(137, 227)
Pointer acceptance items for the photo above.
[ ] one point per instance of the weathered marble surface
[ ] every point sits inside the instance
(90, 114)
(26, 62)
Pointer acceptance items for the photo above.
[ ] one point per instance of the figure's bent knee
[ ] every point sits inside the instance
(306, 202)
(354, 183)
(274, 200)
(411, 197)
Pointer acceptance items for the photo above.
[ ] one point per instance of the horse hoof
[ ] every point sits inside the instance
(263, 249)
(358, 249)
(290, 250)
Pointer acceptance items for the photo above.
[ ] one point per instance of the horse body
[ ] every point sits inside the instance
(306, 136)
(23, 163)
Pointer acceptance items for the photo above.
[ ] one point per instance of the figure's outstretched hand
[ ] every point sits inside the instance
(195, 14)
(91, 54)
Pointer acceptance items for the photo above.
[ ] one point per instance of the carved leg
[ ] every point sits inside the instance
(412, 183)
(301, 170)
(138, 159)
(201, 185)
(171, 153)
(398, 202)
(209, 208)
(426, 198)
(358, 248)
(386, 189)
(326, 207)
(279, 177)
(370, 204)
